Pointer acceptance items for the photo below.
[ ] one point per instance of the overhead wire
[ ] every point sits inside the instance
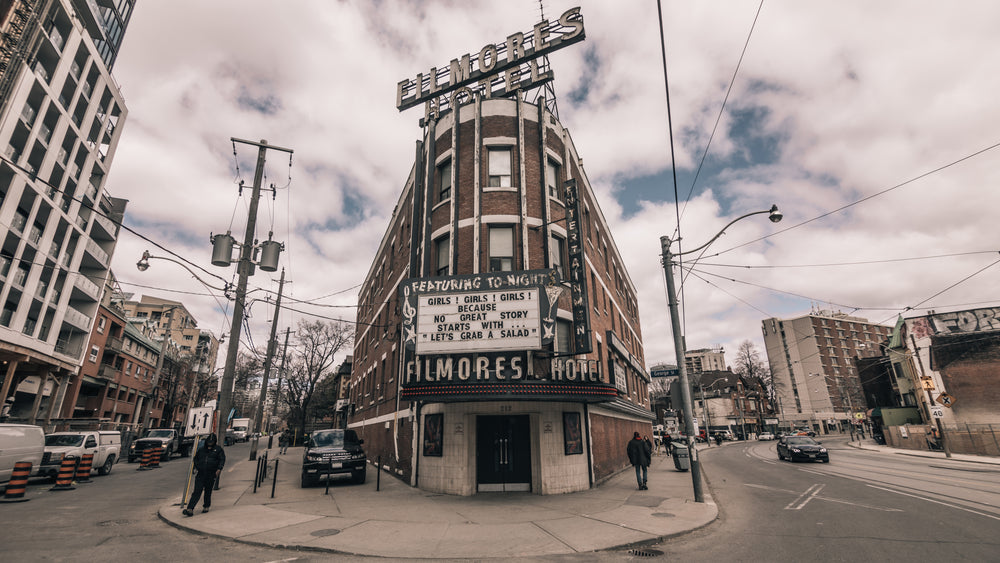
(864, 199)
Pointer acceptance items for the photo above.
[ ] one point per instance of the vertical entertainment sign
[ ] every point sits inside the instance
(577, 269)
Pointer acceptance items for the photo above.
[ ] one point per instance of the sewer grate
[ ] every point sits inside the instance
(645, 552)
(663, 515)
(324, 533)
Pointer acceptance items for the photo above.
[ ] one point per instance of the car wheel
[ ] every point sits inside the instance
(108, 464)
(827, 460)
(166, 455)
(781, 457)
(359, 476)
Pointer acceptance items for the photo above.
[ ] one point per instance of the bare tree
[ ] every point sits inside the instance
(318, 343)
(756, 373)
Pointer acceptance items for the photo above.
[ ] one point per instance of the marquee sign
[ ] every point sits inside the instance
(517, 58)
(480, 312)
(479, 320)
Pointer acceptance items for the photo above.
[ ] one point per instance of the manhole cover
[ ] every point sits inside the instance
(645, 552)
(324, 533)
(114, 523)
(663, 515)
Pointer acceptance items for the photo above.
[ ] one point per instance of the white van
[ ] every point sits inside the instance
(20, 442)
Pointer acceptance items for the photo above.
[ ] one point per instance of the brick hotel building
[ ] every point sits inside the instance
(498, 345)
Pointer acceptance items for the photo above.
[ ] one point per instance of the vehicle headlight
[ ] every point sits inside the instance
(358, 456)
(796, 450)
(822, 450)
(56, 458)
(314, 457)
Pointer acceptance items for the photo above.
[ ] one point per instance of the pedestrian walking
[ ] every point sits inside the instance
(639, 456)
(667, 442)
(208, 464)
(283, 442)
(649, 446)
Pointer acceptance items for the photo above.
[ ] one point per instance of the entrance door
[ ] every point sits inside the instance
(503, 453)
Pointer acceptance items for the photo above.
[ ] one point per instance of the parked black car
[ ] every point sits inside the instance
(801, 447)
(333, 452)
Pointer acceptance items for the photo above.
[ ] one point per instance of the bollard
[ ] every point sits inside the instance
(274, 479)
(64, 480)
(144, 461)
(154, 462)
(18, 483)
(378, 473)
(270, 441)
(83, 470)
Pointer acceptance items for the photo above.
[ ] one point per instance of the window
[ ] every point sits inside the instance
(552, 177)
(500, 167)
(101, 323)
(442, 256)
(563, 331)
(444, 180)
(93, 354)
(501, 249)
(557, 247)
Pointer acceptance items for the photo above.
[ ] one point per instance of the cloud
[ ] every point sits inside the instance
(832, 103)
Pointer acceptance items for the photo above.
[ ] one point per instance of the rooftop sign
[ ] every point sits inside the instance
(515, 58)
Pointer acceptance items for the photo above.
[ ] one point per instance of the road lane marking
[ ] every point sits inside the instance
(805, 497)
(829, 499)
(949, 505)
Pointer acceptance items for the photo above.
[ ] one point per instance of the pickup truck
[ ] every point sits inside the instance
(167, 438)
(105, 445)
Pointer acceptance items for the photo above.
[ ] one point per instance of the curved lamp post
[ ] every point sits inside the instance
(675, 324)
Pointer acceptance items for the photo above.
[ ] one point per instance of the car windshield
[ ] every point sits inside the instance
(159, 434)
(64, 440)
(328, 439)
(800, 441)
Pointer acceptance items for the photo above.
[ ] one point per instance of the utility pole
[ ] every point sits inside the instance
(281, 371)
(259, 416)
(243, 269)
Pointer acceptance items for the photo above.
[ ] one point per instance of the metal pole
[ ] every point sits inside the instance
(675, 325)
(704, 409)
(243, 269)
(930, 401)
(259, 416)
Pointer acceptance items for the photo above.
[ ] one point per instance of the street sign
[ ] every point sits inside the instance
(946, 400)
(937, 412)
(926, 382)
(665, 372)
(199, 421)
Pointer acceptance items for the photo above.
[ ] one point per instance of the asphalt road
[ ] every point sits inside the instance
(114, 518)
(862, 506)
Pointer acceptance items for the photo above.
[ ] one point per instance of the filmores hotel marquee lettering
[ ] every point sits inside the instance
(518, 59)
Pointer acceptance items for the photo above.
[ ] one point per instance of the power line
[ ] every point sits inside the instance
(866, 198)
(861, 262)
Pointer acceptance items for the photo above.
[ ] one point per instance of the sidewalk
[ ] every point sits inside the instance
(870, 445)
(401, 521)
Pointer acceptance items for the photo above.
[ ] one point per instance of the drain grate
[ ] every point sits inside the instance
(663, 515)
(645, 552)
(324, 533)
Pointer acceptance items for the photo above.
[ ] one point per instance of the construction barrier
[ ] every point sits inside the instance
(154, 463)
(64, 480)
(83, 470)
(145, 460)
(18, 483)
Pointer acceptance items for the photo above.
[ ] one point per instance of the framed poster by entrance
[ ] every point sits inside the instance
(572, 435)
(433, 435)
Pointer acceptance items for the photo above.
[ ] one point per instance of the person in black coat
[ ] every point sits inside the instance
(639, 454)
(208, 464)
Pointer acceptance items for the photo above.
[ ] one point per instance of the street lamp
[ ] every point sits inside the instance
(675, 324)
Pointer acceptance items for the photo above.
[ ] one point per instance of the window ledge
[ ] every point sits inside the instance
(500, 189)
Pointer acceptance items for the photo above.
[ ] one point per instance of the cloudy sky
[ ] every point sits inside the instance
(872, 125)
